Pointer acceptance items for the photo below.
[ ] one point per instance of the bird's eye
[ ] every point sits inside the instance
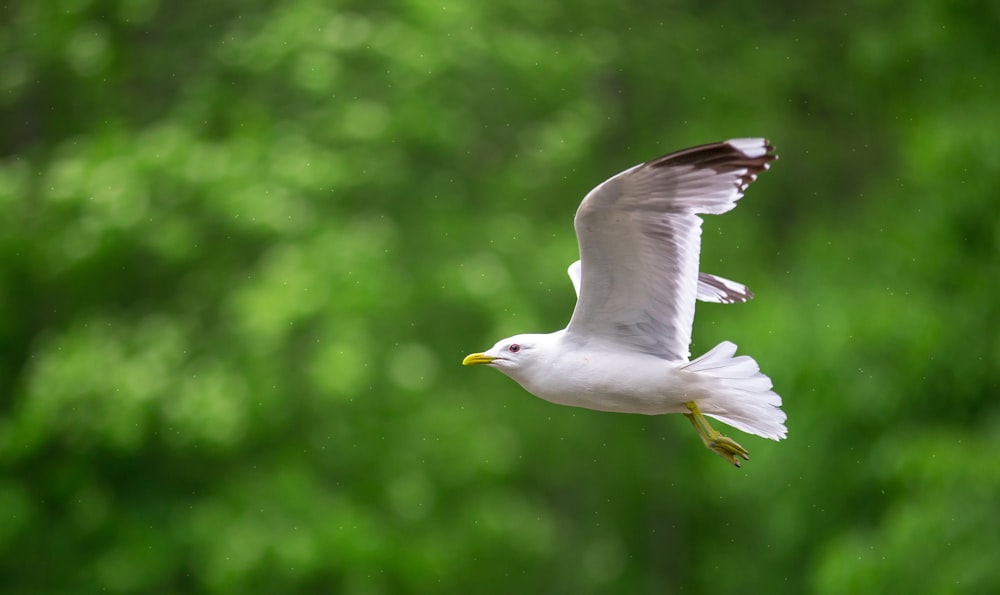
(513, 348)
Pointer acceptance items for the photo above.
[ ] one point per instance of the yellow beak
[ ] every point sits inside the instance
(477, 358)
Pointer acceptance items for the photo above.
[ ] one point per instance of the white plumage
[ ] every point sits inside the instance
(626, 347)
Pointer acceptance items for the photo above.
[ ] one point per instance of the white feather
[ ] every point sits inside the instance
(711, 288)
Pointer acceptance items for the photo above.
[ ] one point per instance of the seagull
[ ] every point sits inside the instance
(627, 346)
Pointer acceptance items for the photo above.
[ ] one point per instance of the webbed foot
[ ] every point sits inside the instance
(723, 446)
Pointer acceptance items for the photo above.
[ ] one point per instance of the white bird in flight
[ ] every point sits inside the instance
(626, 348)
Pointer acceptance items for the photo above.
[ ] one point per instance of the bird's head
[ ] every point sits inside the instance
(513, 356)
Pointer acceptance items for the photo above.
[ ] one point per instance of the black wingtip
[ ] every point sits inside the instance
(752, 154)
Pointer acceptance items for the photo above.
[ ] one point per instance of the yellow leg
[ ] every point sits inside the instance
(723, 446)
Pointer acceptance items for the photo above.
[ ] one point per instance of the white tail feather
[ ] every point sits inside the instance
(737, 394)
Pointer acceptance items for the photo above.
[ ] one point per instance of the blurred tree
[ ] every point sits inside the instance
(245, 246)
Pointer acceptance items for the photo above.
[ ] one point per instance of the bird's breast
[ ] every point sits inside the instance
(610, 381)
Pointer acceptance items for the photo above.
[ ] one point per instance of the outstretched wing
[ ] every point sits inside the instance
(711, 288)
(640, 237)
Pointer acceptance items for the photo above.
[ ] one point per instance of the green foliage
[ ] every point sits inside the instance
(245, 245)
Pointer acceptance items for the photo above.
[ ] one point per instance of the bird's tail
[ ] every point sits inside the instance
(737, 393)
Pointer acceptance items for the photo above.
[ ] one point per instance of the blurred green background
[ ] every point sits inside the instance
(245, 245)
